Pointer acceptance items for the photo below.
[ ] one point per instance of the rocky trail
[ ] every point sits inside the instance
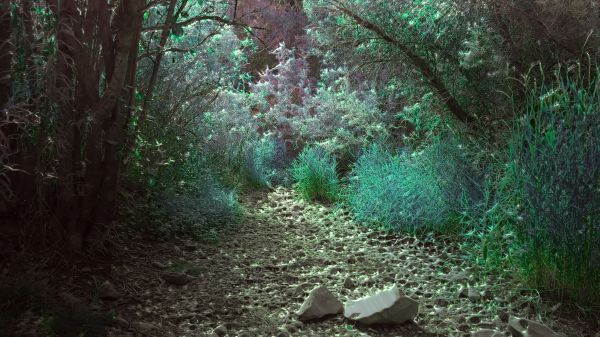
(256, 279)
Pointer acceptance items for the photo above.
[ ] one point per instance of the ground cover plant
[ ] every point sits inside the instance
(315, 174)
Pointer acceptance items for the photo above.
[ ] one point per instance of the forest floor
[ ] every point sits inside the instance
(255, 278)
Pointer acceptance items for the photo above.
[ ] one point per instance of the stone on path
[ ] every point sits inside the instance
(525, 328)
(319, 303)
(178, 279)
(473, 294)
(221, 330)
(386, 307)
(108, 292)
(348, 283)
(143, 327)
(487, 333)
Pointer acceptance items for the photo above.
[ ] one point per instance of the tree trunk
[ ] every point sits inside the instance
(107, 134)
(62, 93)
(164, 37)
(115, 127)
(5, 52)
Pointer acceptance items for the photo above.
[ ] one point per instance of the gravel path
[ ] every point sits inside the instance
(252, 282)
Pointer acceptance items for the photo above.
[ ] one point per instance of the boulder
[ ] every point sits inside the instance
(519, 327)
(319, 303)
(385, 307)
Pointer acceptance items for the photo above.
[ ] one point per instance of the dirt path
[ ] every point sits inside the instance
(257, 277)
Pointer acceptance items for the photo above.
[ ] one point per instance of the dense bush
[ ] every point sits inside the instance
(315, 175)
(342, 120)
(234, 148)
(555, 163)
(420, 191)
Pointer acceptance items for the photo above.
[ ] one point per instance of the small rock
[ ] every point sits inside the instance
(442, 302)
(221, 330)
(143, 326)
(108, 292)
(121, 322)
(282, 333)
(158, 265)
(503, 315)
(385, 307)
(71, 300)
(320, 303)
(348, 283)
(473, 294)
(525, 328)
(290, 328)
(487, 333)
(178, 279)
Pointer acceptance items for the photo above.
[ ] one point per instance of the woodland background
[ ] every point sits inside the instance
(479, 119)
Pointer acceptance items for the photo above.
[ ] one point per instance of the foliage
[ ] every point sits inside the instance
(342, 120)
(315, 175)
(555, 162)
(235, 149)
(196, 212)
(18, 297)
(424, 190)
(167, 152)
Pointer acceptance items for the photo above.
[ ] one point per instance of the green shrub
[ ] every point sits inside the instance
(425, 190)
(258, 170)
(555, 163)
(197, 211)
(315, 175)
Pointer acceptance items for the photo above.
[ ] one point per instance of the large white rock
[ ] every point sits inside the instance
(385, 307)
(525, 328)
(319, 303)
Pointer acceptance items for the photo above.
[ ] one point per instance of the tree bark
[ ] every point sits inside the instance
(115, 126)
(5, 52)
(164, 37)
(417, 61)
(106, 135)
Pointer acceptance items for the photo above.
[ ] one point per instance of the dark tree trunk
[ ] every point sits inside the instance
(5, 52)
(106, 137)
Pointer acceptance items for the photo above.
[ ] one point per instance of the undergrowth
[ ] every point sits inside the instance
(423, 191)
(21, 301)
(315, 175)
(199, 212)
(555, 163)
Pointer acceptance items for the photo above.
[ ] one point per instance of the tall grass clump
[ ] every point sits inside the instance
(555, 162)
(424, 190)
(315, 176)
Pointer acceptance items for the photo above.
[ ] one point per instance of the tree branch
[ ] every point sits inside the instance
(204, 18)
(420, 63)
